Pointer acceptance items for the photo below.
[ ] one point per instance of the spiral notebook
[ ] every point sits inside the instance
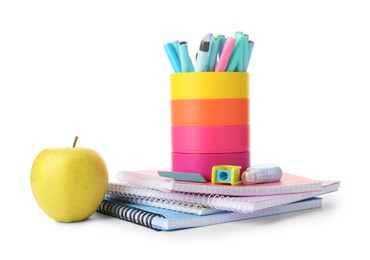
(289, 183)
(228, 203)
(166, 220)
(172, 205)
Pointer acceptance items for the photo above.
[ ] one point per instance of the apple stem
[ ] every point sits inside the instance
(75, 141)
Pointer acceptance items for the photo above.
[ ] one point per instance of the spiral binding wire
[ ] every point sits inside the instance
(165, 204)
(128, 213)
(215, 201)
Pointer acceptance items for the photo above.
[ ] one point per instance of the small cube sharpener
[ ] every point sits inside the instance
(226, 174)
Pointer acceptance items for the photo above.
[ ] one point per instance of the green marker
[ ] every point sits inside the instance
(237, 53)
(250, 49)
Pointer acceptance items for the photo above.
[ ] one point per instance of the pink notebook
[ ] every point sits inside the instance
(289, 183)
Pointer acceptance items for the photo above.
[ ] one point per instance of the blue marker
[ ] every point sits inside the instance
(245, 52)
(172, 56)
(212, 57)
(237, 53)
(175, 44)
(203, 53)
(241, 63)
(191, 66)
(221, 45)
(184, 57)
(250, 49)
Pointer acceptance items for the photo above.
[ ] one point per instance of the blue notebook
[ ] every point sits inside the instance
(165, 220)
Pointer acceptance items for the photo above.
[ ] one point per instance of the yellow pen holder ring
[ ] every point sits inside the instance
(209, 85)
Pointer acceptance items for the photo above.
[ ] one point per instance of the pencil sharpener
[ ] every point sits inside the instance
(226, 174)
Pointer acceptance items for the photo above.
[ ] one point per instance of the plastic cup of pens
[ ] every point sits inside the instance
(210, 121)
(210, 104)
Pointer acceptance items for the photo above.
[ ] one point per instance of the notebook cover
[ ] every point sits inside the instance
(289, 183)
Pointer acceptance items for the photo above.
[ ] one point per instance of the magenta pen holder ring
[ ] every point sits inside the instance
(210, 139)
(203, 162)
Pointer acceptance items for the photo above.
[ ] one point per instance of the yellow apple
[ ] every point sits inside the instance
(69, 183)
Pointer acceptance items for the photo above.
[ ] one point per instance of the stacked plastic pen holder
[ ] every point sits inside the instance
(210, 121)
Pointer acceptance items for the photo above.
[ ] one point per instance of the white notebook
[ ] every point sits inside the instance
(164, 219)
(228, 203)
(289, 183)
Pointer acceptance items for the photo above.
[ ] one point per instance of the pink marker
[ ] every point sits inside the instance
(225, 54)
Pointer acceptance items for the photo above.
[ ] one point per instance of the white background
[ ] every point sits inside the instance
(97, 69)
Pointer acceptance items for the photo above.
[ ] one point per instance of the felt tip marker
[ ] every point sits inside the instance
(240, 66)
(172, 56)
(203, 53)
(245, 53)
(191, 66)
(184, 57)
(262, 173)
(212, 56)
(237, 53)
(222, 39)
(225, 54)
(175, 44)
(250, 49)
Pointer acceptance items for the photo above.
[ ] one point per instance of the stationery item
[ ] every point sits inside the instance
(240, 64)
(237, 53)
(146, 179)
(214, 54)
(184, 57)
(262, 173)
(191, 66)
(225, 54)
(203, 53)
(250, 49)
(172, 205)
(216, 201)
(175, 45)
(226, 174)
(212, 57)
(245, 55)
(289, 183)
(198, 148)
(166, 220)
(210, 139)
(203, 112)
(182, 176)
(222, 39)
(172, 56)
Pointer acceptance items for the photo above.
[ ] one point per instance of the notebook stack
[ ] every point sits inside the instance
(160, 203)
